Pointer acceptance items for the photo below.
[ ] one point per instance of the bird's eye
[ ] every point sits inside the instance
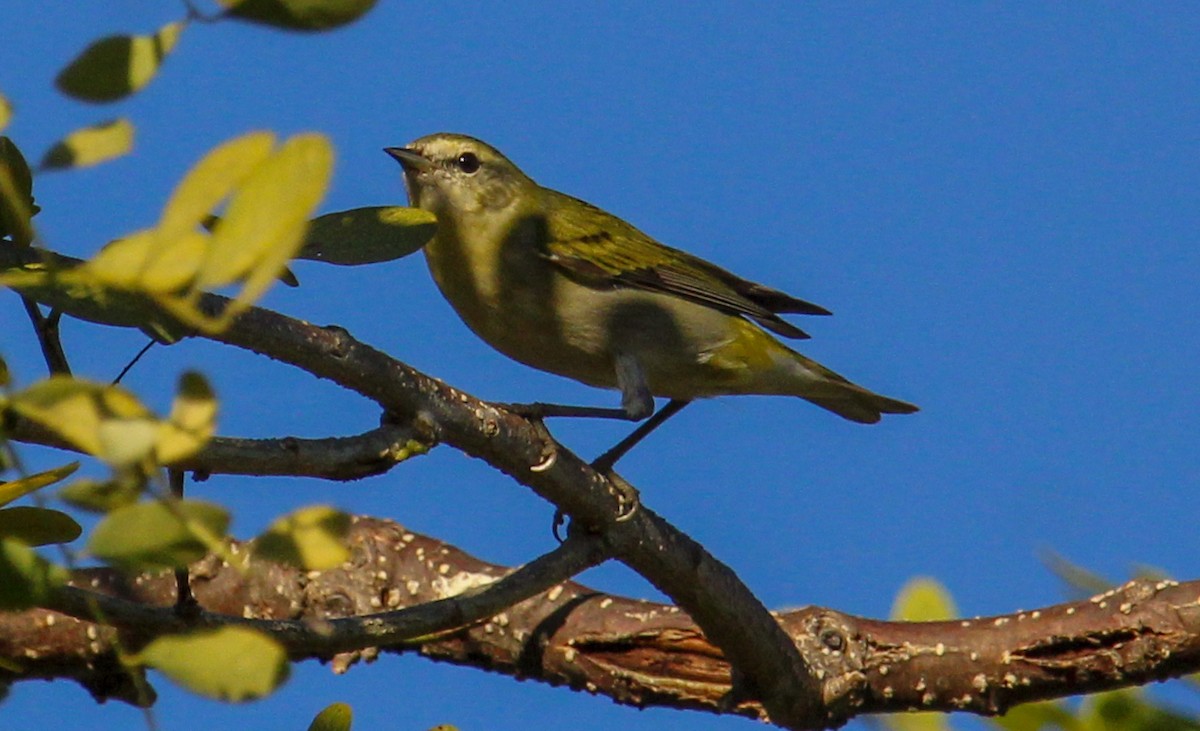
(468, 163)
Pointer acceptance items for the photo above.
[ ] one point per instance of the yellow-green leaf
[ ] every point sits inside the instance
(229, 663)
(263, 226)
(310, 15)
(925, 721)
(120, 263)
(16, 194)
(311, 538)
(151, 535)
(192, 422)
(38, 526)
(1036, 716)
(117, 66)
(125, 442)
(212, 179)
(26, 579)
(91, 145)
(75, 410)
(14, 489)
(368, 235)
(335, 717)
(1081, 582)
(5, 112)
(1130, 710)
(147, 262)
(5, 376)
(101, 496)
(923, 599)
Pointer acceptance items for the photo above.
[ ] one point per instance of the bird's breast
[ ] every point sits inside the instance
(523, 305)
(518, 302)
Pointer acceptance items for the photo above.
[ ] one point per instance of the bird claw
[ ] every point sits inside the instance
(628, 499)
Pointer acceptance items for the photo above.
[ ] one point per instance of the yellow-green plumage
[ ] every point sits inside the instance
(563, 286)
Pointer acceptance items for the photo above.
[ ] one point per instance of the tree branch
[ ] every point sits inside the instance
(635, 652)
(333, 458)
(46, 330)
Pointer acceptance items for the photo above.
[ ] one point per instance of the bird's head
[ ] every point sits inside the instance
(454, 175)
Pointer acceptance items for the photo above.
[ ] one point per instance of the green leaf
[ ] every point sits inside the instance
(146, 262)
(91, 145)
(368, 235)
(101, 496)
(101, 420)
(229, 663)
(26, 579)
(923, 599)
(192, 422)
(126, 442)
(116, 66)
(1128, 710)
(1147, 572)
(16, 194)
(335, 717)
(38, 526)
(311, 538)
(14, 489)
(307, 15)
(263, 226)
(1080, 582)
(151, 535)
(923, 721)
(6, 112)
(209, 181)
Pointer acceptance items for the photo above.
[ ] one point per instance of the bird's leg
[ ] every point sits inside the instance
(636, 399)
(637, 402)
(538, 410)
(605, 462)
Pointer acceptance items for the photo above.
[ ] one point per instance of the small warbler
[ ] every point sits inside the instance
(560, 285)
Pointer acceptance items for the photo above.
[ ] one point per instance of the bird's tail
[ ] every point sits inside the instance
(827, 389)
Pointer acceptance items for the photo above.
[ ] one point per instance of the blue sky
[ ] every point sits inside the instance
(998, 202)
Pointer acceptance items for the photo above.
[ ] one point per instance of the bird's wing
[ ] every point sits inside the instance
(600, 250)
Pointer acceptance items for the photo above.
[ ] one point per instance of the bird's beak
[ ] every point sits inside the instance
(409, 159)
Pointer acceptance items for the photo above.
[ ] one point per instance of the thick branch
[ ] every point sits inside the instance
(636, 652)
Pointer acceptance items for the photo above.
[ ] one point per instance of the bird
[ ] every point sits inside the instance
(560, 285)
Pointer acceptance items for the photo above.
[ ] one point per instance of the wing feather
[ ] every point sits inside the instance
(600, 250)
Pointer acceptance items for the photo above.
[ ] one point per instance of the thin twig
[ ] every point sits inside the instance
(186, 605)
(46, 329)
(145, 349)
(333, 458)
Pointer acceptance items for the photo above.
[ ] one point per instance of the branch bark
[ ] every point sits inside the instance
(635, 652)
